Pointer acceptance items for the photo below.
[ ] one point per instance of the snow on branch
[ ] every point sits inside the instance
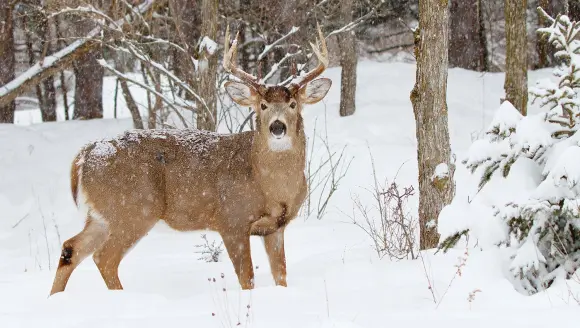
(49, 66)
(350, 26)
(535, 159)
(87, 10)
(56, 62)
(269, 47)
(209, 45)
(148, 61)
(276, 66)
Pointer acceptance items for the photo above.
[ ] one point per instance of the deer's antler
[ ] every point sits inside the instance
(229, 64)
(322, 55)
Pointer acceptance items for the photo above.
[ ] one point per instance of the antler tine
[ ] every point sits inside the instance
(230, 66)
(322, 56)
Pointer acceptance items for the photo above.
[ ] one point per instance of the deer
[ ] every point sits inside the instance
(239, 185)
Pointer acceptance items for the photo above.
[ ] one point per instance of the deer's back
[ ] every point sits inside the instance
(180, 176)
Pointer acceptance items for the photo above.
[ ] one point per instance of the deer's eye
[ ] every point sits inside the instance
(293, 105)
(264, 107)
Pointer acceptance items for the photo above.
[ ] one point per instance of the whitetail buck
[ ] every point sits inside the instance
(244, 184)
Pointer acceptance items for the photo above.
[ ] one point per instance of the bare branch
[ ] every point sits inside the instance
(51, 65)
(58, 61)
(120, 75)
(269, 47)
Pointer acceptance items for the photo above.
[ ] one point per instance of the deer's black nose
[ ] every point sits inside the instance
(278, 129)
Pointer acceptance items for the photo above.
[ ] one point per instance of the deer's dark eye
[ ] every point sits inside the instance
(293, 105)
(264, 107)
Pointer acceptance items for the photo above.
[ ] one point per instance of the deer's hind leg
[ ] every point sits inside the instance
(76, 249)
(120, 240)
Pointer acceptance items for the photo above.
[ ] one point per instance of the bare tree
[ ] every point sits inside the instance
(348, 61)
(516, 77)
(7, 56)
(206, 116)
(436, 188)
(467, 44)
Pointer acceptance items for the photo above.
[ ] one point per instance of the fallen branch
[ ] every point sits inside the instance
(50, 65)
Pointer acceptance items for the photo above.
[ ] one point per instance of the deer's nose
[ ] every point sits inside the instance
(278, 129)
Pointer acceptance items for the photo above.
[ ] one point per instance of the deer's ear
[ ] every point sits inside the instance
(242, 94)
(314, 91)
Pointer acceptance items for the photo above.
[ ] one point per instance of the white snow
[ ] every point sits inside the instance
(528, 178)
(441, 172)
(506, 119)
(334, 277)
(208, 45)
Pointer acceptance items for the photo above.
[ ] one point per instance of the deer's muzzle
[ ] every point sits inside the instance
(278, 129)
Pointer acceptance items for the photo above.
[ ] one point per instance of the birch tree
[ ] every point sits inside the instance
(516, 76)
(436, 188)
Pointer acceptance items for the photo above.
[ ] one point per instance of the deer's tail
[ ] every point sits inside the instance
(75, 174)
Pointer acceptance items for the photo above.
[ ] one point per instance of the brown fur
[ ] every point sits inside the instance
(277, 94)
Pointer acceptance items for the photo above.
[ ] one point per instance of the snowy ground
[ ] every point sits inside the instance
(335, 279)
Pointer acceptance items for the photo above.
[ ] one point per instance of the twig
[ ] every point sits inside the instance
(269, 47)
(20, 221)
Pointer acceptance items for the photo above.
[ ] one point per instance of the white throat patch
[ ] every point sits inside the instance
(279, 145)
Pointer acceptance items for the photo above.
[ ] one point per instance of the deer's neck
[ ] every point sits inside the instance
(280, 173)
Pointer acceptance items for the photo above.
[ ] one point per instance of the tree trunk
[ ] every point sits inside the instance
(7, 59)
(48, 93)
(88, 99)
(574, 10)
(429, 105)
(131, 105)
(206, 117)
(348, 61)
(542, 44)
(37, 74)
(516, 77)
(186, 16)
(129, 100)
(88, 86)
(48, 111)
(467, 45)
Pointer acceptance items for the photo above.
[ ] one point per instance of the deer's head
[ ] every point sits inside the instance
(278, 108)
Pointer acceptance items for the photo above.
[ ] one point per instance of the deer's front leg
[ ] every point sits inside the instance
(274, 244)
(238, 247)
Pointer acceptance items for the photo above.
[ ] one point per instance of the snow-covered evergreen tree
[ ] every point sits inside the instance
(542, 225)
